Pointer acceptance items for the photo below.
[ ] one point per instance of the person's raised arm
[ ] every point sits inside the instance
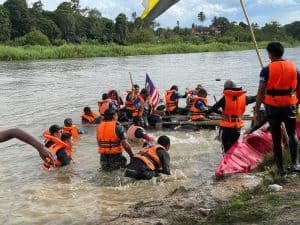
(27, 138)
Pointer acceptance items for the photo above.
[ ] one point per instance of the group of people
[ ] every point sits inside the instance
(278, 87)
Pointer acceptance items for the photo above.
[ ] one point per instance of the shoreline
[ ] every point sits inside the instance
(68, 51)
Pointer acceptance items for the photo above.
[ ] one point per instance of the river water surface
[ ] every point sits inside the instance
(36, 94)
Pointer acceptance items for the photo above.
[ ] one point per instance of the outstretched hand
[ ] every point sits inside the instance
(47, 156)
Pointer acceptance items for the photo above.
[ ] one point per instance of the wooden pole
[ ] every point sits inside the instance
(252, 33)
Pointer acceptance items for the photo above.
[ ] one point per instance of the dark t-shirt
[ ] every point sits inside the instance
(63, 157)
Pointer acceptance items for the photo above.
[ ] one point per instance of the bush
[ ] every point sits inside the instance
(226, 39)
(36, 37)
(141, 36)
(58, 42)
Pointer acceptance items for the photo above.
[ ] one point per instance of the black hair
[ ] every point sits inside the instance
(104, 96)
(109, 113)
(174, 87)
(202, 92)
(68, 122)
(65, 136)
(87, 109)
(164, 141)
(145, 92)
(276, 49)
(136, 86)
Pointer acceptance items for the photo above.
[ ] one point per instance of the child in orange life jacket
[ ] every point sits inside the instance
(71, 128)
(53, 135)
(233, 105)
(89, 117)
(199, 105)
(62, 150)
(150, 161)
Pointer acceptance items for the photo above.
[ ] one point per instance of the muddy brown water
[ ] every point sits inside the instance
(36, 94)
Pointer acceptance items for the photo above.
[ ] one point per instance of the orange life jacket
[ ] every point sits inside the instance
(103, 105)
(235, 106)
(149, 156)
(131, 133)
(171, 105)
(140, 111)
(55, 148)
(189, 98)
(281, 84)
(129, 102)
(90, 118)
(48, 137)
(109, 142)
(196, 113)
(72, 130)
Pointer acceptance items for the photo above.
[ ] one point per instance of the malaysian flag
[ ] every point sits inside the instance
(153, 91)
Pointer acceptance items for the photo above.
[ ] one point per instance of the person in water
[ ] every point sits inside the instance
(137, 134)
(112, 139)
(131, 94)
(278, 84)
(89, 117)
(62, 150)
(105, 104)
(71, 128)
(6, 135)
(172, 98)
(150, 161)
(53, 135)
(233, 105)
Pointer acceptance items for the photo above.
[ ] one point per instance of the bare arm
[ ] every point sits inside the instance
(127, 147)
(259, 98)
(27, 138)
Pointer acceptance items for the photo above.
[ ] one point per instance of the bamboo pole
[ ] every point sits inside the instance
(252, 33)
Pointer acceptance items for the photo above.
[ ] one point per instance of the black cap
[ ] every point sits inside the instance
(109, 113)
(54, 128)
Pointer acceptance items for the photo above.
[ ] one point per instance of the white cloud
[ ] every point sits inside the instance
(277, 2)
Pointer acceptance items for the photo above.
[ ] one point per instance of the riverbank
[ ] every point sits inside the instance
(8, 53)
(255, 203)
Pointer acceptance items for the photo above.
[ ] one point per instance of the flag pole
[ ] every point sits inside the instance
(252, 33)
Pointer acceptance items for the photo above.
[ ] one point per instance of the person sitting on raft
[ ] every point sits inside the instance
(172, 98)
(191, 94)
(233, 104)
(131, 94)
(137, 134)
(62, 150)
(53, 135)
(140, 103)
(89, 117)
(150, 161)
(116, 99)
(105, 104)
(112, 139)
(199, 106)
(71, 128)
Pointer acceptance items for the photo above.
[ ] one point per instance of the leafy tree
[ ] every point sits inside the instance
(141, 36)
(273, 31)
(221, 23)
(293, 29)
(4, 24)
(36, 37)
(121, 29)
(201, 17)
(19, 17)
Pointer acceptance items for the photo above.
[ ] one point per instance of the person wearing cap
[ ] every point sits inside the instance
(62, 150)
(279, 82)
(89, 117)
(71, 128)
(172, 98)
(150, 161)
(53, 135)
(233, 105)
(140, 105)
(112, 139)
(6, 135)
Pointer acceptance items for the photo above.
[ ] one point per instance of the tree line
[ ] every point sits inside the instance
(69, 23)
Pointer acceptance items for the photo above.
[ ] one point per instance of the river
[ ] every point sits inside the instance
(37, 94)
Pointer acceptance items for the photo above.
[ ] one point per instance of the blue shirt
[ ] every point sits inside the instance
(200, 105)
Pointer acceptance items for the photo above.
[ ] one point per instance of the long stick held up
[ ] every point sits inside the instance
(252, 33)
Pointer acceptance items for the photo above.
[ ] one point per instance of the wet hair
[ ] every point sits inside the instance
(65, 136)
(87, 109)
(136, 86)
(202, 92)
(174, 87)
(54, 128)
(68, 122)
(164, 141)
(275, 49)
(109, 113)
(104, 96)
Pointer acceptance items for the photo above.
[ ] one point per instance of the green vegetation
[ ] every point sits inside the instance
(84, 32)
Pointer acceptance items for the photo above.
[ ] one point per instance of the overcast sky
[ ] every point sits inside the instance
(185, 11)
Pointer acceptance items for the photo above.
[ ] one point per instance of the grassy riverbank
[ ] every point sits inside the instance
(8, 53)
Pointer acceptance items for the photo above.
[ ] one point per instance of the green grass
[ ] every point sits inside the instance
(84, 50)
